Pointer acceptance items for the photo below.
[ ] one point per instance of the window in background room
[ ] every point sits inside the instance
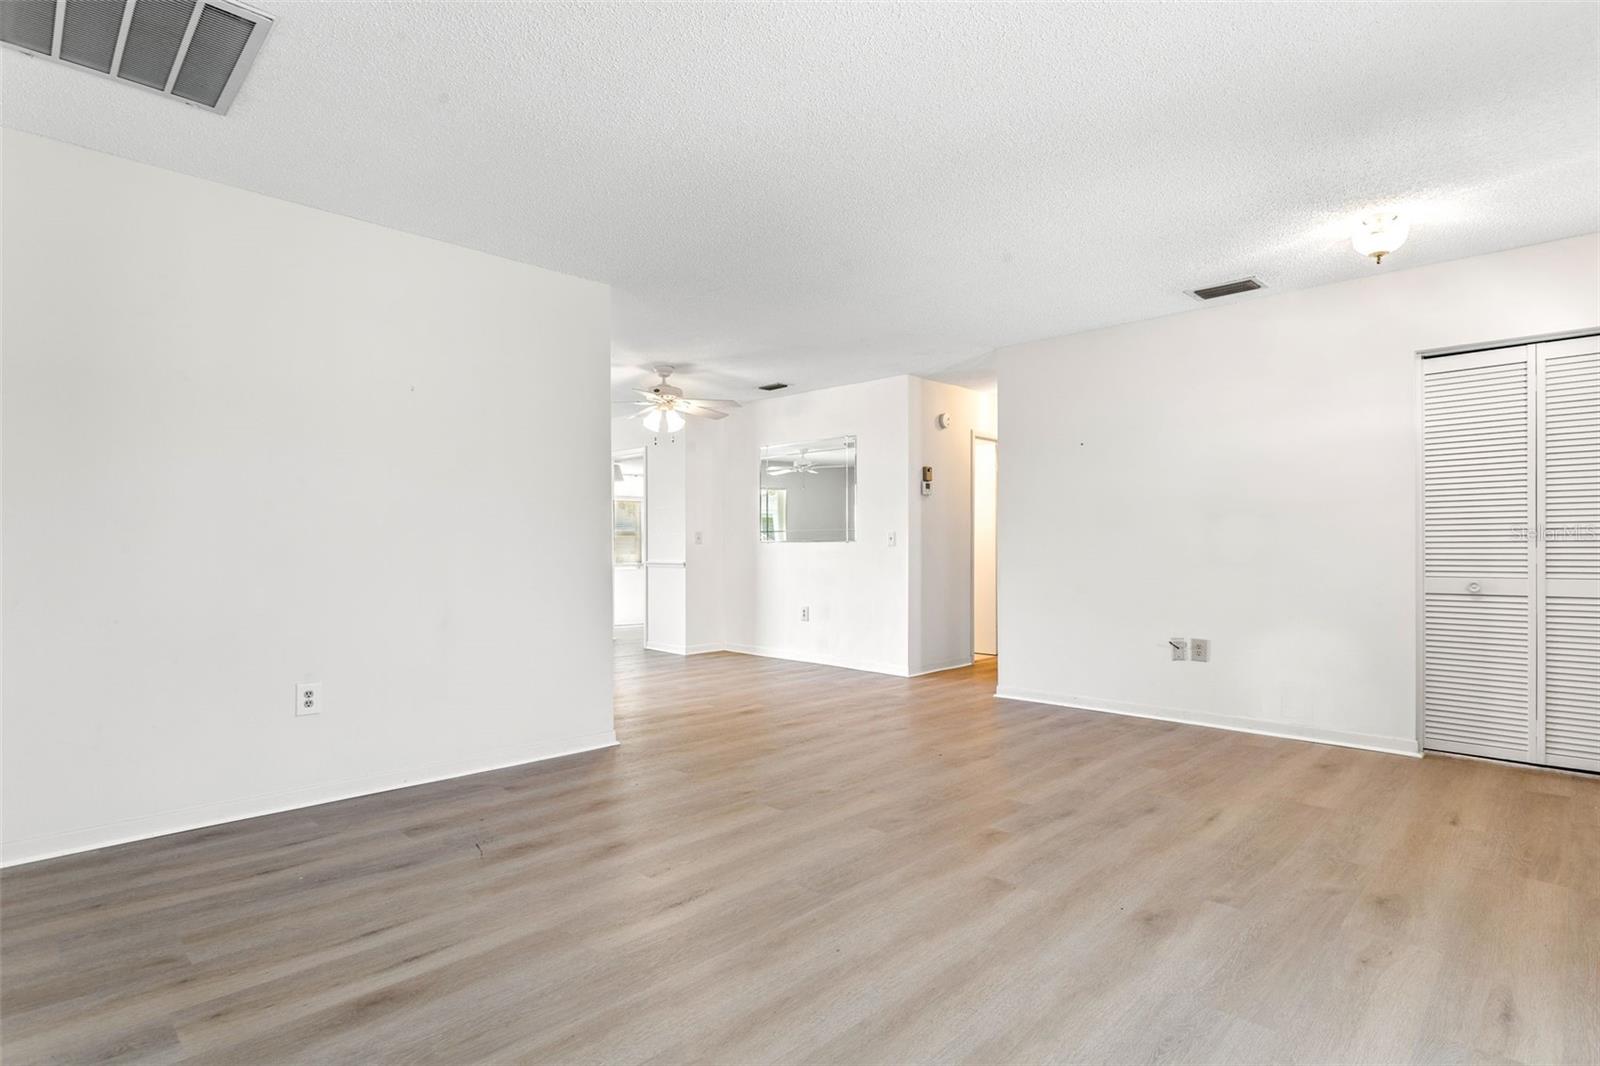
(774, 513)
(626, 528)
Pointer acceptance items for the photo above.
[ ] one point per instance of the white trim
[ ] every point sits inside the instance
(60, 27)
(684, 649)
(122, 38)
(183, 820)
(956, 664)
(1517, 342)
(794, 655)
(1537, 591)
(1419, 452)
(183, 47)
(1284, 730)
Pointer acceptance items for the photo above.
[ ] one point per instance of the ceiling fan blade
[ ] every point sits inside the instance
(700, 412)
(647, 394)
(631, 403)
(779, 473)
(711, 403)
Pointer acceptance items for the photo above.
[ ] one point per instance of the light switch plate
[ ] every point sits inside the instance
(1180, 648)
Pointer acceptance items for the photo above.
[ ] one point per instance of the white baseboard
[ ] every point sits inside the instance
(627, 629)
(165, 823)
(1286, 730)
(684, 649)
(798, 656)
(955, 664)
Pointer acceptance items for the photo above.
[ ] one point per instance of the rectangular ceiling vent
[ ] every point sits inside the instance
(1227, 288)
(774, 387)
(196, 51)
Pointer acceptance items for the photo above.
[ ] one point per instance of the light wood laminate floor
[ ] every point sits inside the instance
(786, 862)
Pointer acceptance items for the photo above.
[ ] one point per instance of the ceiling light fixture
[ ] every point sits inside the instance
(1377, 235)
(663, 406)
(657, 418)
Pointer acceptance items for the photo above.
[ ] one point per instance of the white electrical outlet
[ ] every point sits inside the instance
(1180, 648)
(1200, 649)
(699, 537)
(308, 698)
(805, 614)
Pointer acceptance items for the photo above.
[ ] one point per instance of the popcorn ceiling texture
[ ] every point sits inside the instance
(823, 193)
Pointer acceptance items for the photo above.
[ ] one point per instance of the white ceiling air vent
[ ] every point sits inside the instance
(197, 51)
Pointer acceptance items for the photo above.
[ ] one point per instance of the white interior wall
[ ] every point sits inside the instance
(1245, 473)
(900, 608)
(249, 444)
(704, 536)
(858, 592)
(627, 596)
(666, 510)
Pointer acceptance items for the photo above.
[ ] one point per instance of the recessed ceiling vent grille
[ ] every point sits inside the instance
(197, 51)
(774, 387)
(1227, 288)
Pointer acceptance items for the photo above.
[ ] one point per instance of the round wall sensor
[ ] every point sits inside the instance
(943, 421)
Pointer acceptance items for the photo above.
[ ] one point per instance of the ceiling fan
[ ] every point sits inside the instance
(802, 465)
(663, 406)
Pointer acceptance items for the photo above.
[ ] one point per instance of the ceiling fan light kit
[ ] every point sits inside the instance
(663, 406)
(657, 419)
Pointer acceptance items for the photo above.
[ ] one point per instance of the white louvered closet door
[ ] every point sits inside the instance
(1478, 485)
(1569, 538)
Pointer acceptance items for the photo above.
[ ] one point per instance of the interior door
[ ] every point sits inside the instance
(1478, 491)
(1569, 536)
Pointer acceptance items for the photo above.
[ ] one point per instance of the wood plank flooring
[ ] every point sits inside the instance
(792, 863)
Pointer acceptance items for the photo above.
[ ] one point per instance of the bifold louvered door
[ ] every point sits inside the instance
(1511, 566)
(1478, 481)
(1569, 536)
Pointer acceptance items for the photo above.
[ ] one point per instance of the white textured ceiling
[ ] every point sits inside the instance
(825, 193)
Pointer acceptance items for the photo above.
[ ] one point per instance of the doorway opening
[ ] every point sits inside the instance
(985, 498)
(627, 546)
